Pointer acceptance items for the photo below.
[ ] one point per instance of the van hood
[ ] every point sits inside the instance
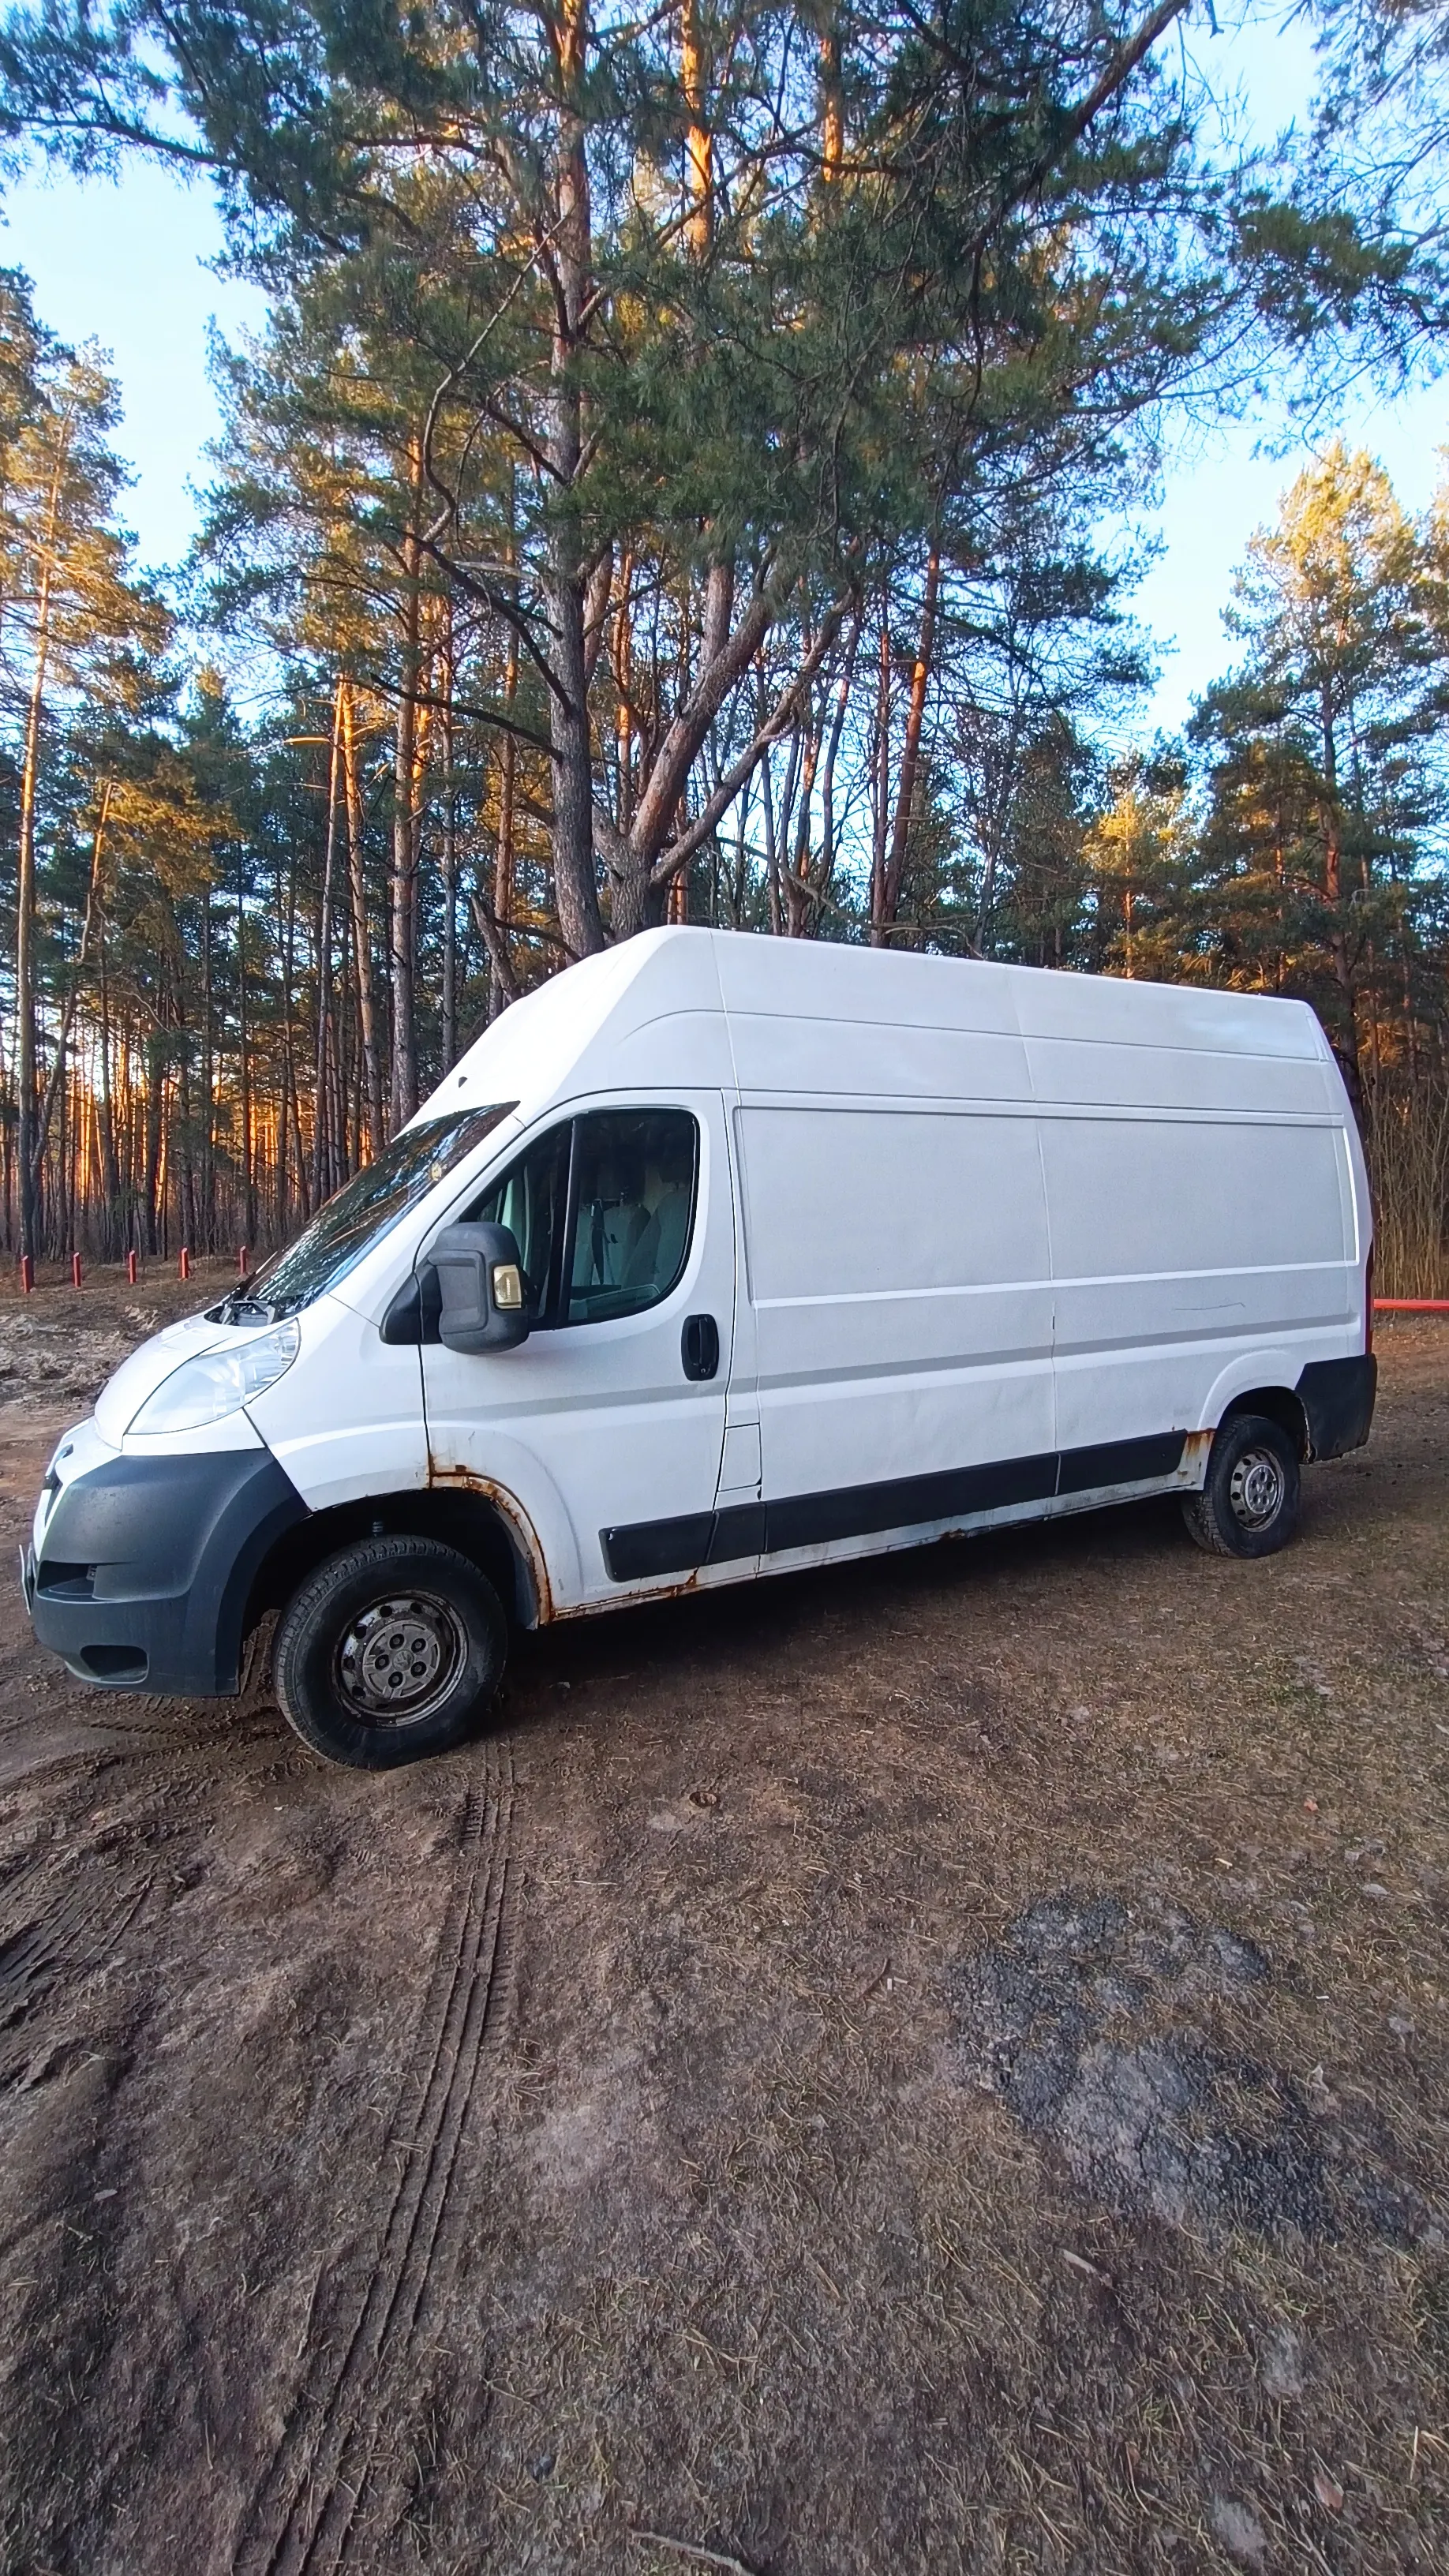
(123, 1395)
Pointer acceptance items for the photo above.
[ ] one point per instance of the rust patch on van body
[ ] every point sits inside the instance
(1192, 1469)
(466, 1480)
(639, 1596)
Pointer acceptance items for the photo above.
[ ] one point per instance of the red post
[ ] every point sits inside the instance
(131, 1268)
(241, 1261)
(75, 1270)
(185, 1263)
(27, 1274)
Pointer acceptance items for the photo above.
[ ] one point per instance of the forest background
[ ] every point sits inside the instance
(676, 480)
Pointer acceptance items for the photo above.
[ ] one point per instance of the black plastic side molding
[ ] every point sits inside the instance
(648, 1548)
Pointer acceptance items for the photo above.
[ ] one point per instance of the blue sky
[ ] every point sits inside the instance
(122, 263)
(125, 264)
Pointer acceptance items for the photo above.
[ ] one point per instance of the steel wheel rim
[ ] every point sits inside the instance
(399, 1659)
(1257, 1489)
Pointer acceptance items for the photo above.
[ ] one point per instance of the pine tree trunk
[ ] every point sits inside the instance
(244, 1048)
(25, 1079)
(507, 776)
(887, 887)
(880, 778)
(208, 1079)
(114, 1226)
(291, 1106)
(154, 1084)
(361, 934)
(449, 859)
(1338, 949)
(324, 1159)
(576, 894)
(402, 904)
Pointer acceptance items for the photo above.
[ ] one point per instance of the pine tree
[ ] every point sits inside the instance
(77, 624)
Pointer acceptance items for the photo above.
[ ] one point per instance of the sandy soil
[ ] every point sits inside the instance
(59, 1345)
(939, 2067)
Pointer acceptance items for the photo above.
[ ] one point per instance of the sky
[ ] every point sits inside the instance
(125, 263)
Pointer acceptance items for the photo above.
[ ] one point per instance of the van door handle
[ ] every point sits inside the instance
(699, 1346)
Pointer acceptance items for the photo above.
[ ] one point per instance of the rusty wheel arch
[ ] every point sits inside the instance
(465, 1517)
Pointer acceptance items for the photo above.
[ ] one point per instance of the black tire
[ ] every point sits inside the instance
(1249, 1503)
(390, 1651)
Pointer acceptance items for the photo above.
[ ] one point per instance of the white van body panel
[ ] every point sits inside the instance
(1172, 1237)
(895, 1335)
(595, 1426)
(986, 1214)
(613, 1022)
(335, 1446)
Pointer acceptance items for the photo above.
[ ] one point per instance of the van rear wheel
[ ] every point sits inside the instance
(1249, 1503)
(390, 1651)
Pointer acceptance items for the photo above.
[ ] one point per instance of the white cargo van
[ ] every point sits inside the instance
(720, 1256)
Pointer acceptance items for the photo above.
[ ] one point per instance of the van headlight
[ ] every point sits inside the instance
(218, 1382)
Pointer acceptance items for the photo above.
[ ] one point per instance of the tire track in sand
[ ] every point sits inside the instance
(360, 2337)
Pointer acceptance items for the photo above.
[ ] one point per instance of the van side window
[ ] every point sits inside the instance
(620, 1184)
(633, 1203)
(531, 1201)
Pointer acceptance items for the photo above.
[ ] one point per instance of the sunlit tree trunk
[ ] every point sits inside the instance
(568, 261)
(244, 1068)
(698, 147)
(25, 1070)
(361, 934)
(402, 891)
(325, 1172)
(449, 849)
(832, 106)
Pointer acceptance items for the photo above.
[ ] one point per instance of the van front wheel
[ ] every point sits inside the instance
(1249, 1503)
(391, 1650)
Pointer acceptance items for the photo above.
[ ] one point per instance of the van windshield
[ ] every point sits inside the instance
(359, 1214)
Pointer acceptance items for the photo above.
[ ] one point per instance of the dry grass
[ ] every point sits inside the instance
(59, 1344)
(1408, 1151)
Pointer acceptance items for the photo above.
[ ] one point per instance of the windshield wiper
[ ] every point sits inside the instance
(237, 1309)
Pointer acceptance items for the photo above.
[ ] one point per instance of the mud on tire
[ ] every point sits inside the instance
(390, 1651)
(1249, 1503)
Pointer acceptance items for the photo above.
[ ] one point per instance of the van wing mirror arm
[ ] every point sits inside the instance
(413, 1315)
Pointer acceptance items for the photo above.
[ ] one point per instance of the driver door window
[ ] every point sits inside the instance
(532, 1201)
(633, 1198)
(602, 1210)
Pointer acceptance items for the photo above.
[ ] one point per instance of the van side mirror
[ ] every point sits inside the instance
(482, 1299)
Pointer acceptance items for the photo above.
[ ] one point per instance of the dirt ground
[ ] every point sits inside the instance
(926, 2068)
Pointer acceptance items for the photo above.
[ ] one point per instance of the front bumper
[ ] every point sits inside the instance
(146, 1565)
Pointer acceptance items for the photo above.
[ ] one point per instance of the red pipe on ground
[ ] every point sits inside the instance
(1411, 1305)
(131, 1268)
(75, 1270)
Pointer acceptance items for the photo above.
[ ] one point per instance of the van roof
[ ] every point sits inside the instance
(712, 1008)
